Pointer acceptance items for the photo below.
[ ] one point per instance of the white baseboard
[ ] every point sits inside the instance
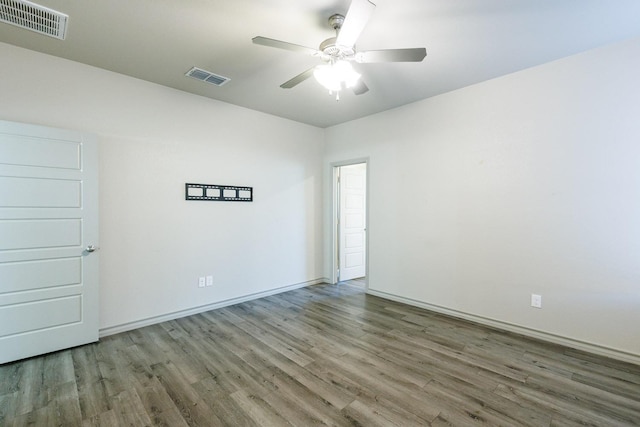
(111, 330)
(541, 335)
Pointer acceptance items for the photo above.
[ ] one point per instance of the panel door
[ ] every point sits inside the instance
(352, 237)
(48, 218)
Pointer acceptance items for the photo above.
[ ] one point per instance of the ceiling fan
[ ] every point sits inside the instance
(340, 51)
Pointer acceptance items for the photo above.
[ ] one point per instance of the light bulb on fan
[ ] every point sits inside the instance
(336, 76)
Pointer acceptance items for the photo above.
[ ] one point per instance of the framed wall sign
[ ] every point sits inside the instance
(218, 193)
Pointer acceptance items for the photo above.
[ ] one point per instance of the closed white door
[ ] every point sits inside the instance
(48, 220)
(352, 207)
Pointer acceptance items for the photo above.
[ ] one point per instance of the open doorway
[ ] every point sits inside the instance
(350, 224)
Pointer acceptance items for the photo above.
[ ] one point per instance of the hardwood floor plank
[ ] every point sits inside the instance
(135, 368)
(615, 406)
(229, 371)
(598, 362)
(364, 415)
(275, 343)
(258, 409)
(105, 419)
(271, 359)
(7, 407)
(65, 404)
(462, 418)
(129, 409)
(457, 407)
(61, 409)
(389, 370)
(369, 387)
(485, 363)
(225, 313)
(58, 369)
(108, 360)
(228, 411)
(310, 335)
(10, 376)
(283, 338)
(289, 411)
(438, 368)
(39, 417)
(560, 412)
(316, 409)
(92, 392)
(160, 408)
(469, 396)
(173, 351)
(612, 385)
(191, 406)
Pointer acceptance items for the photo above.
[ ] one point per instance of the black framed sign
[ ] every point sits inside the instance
(218, 193)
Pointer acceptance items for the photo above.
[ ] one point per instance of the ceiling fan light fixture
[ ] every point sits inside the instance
(336, 76)
(338, 52)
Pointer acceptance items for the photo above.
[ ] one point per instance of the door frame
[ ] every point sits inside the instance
(335, 201)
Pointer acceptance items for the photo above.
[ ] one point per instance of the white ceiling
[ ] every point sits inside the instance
(467, 41)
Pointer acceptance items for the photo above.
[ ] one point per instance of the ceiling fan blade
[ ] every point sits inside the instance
(264, 41)
(392, 55)
(298, 79)
(354, 22)
(360, 87)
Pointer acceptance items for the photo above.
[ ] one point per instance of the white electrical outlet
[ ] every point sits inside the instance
(201, 282)
(536, 301)
(209, 280)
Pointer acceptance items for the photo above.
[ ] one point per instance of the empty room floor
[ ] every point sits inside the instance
(322, 355)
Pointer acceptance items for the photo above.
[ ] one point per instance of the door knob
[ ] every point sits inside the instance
(92, 248)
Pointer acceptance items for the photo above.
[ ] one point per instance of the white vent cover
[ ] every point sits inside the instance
(34, 17)
(207, 76)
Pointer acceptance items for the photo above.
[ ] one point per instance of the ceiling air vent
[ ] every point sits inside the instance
(207, 76)
(34, 17)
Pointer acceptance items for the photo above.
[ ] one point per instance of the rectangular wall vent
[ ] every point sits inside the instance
(34, 17)
(207, 76)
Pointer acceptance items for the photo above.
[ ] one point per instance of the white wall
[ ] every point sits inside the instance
(528, 183)
(154, 244)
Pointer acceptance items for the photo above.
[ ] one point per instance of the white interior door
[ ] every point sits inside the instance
(352, 211)
(48, 219)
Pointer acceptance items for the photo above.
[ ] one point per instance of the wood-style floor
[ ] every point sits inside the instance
(323, 355)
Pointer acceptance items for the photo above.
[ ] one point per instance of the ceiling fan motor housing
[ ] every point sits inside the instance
(329, 46)
(334, 51)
